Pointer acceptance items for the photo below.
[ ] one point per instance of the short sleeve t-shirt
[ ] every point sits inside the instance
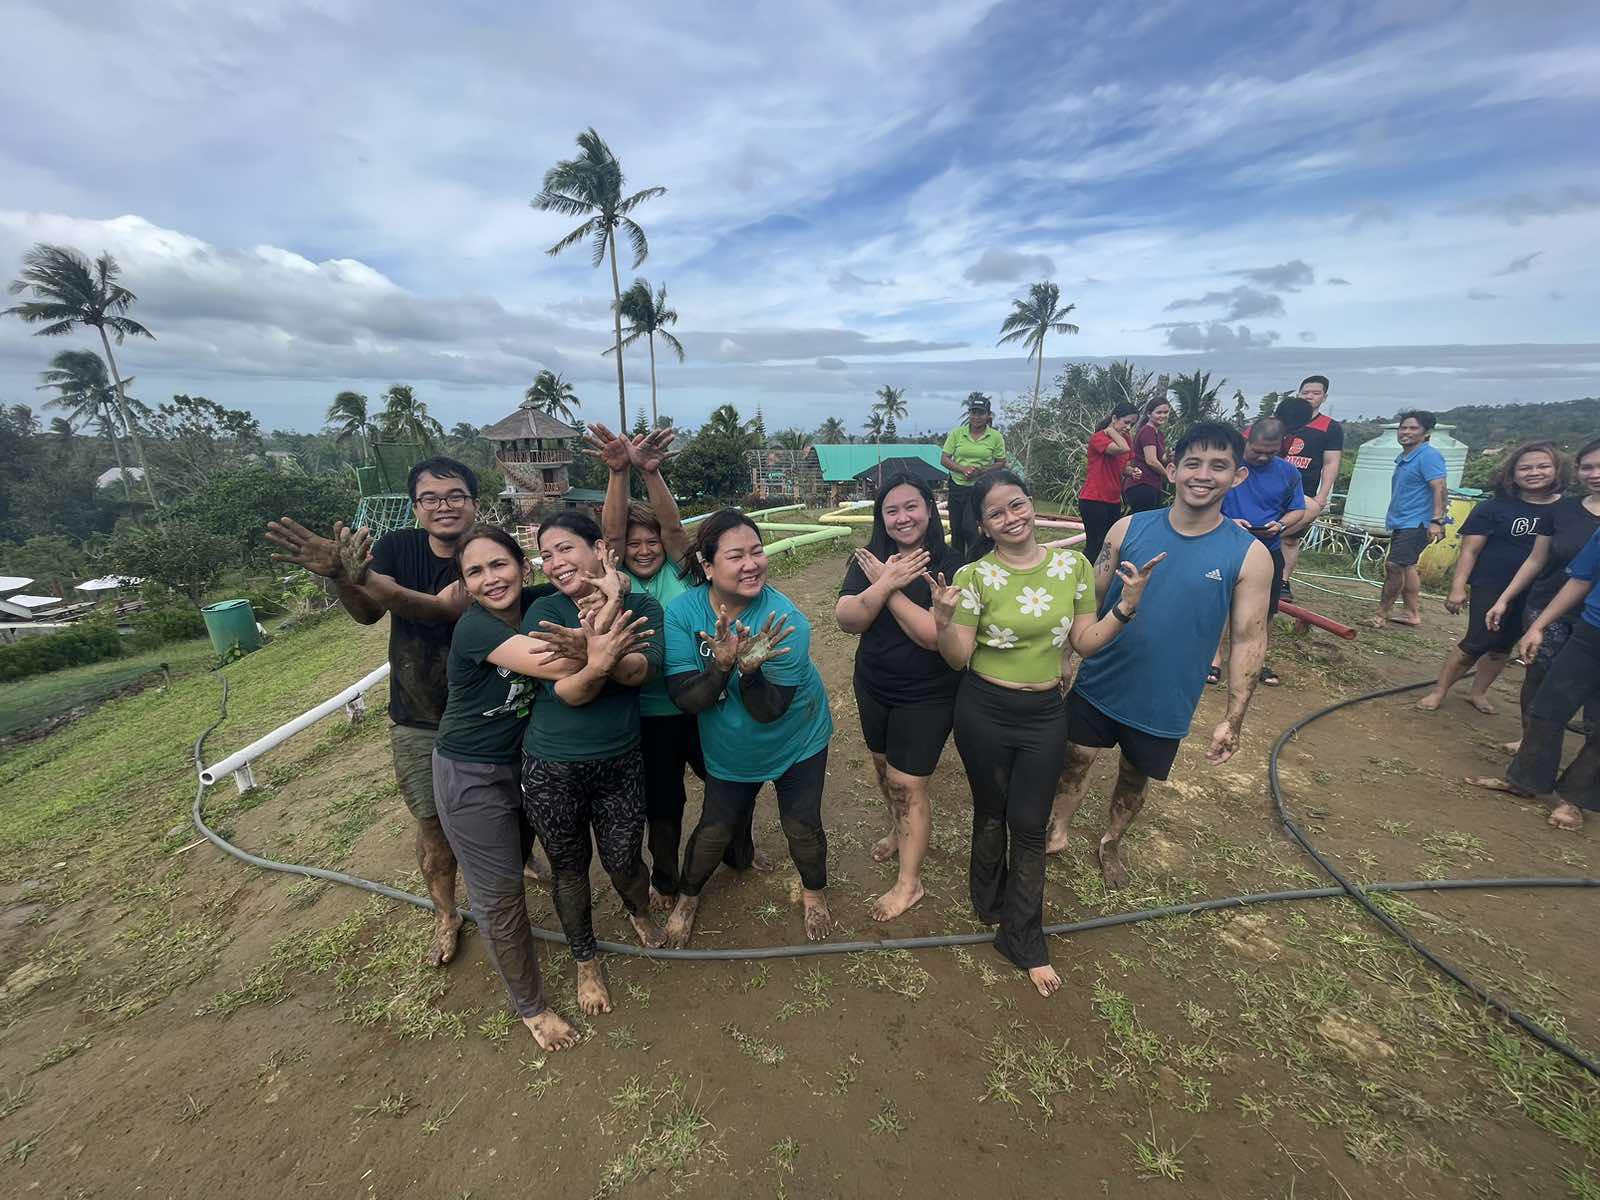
(1508, 526)
(1569, 526)
(1267, 493)
(418, 650)
(974, 452)
(1585, 567)
(1410, 496)
(888, 663)
(609, 724)
(1143, 476)
(1305, 447)
(488, 705)
(1103, 480)
(737, 747)
(1023, 617)
(665, 586)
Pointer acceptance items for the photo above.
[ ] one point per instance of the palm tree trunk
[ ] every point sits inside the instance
(655, 419)
(1033, 410)
(616, 317)
(108, 426)
(127, 423)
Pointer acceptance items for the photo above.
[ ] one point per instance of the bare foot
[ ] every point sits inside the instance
(819, 921)
(662, 901)
(593, 996)
(551, 1030)
(1511, 747)
(1111, 868)
(680, 925)
(885, 847)
(1057, 837)
(1567, 816)
(1430, 702)
(650, 935)
(536, 869)
(760, 861)
(1483, 704)
(1045, 979)
(1495, 784)
(1379, 620)
(1408, 619)
(446, 935)
(897, 900)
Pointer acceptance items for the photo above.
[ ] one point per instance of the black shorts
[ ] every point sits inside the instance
(1406, 546)
(910, 736)
(1146, 753)
(1277, 579)
(1480, 639)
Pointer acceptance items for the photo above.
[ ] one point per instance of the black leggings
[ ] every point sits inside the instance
(1013, 745)
(961, 520)
(670, 745)
(730, 808)
(1098, 518)
(1555, 637)
(565, 800)
(1142, 497)
(1571, 682)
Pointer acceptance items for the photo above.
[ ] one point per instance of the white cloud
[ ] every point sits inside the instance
(1217, 336)
(999, 265)
(1241, 302)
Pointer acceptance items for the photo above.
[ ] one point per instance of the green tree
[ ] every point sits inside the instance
(180, 555)
(1196, 401)
(1030, 320)
(1241, 414)
(406, 419)
(873, 425)
(85, 392)
(68, 292)
(648, 317)
(715, 465)
(832, 432)
(237, 504)
(892, 404)
(590, 186)
(794, 442)
(198, 438)
(553, 396)
(350, 420)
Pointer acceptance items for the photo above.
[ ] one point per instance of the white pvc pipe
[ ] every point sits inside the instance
(288, 729)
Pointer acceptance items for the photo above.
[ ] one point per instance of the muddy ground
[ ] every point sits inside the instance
(178, 1024)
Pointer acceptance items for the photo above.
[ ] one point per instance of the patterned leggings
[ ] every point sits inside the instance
(564, 800)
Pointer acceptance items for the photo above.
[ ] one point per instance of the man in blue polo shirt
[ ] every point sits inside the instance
(1415, 519)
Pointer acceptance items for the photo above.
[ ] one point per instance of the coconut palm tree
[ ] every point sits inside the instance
(725, 421)
(69, 291)
(85, 393)
(349, 420)
(1028, 323)
(553, 396)
(405, 418)
(794, 442)
(873, 426)
(832, 431)
(648, 316)
(1196, 398)
(892, 404)
(590, 186)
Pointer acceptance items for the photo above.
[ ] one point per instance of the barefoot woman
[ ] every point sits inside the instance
(493, 672)
(582, 770)
(739, 656)
(1010, 619)
(905, 691)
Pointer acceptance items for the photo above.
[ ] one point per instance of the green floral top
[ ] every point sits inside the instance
(1023, 617)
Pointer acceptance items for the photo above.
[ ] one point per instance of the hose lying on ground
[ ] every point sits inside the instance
(1359, 893)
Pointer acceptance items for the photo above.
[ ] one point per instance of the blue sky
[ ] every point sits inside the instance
(309, 197)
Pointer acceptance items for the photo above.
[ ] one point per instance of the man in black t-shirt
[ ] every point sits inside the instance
(412, 577)
(1317, 449)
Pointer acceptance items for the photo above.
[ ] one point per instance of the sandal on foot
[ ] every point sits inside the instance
(1269, 677)
(1214, 675)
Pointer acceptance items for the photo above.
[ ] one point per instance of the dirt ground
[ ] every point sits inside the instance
(176, 1023)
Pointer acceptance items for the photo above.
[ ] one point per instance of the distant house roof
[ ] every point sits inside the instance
(13, 583)
(113, 475)
(528, 423)
(582, 496)
(108, 583)
(917, 468)
(27, 606)
(841, 463)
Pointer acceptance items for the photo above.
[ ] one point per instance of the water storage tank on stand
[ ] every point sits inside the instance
(1368, 499)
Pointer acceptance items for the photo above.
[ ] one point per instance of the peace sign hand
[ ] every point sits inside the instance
(945, 598)
(1133, 580)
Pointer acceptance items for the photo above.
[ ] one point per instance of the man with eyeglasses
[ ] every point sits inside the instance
(409, 576)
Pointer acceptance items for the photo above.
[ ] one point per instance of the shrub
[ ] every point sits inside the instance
(88, 643)
(158, 626)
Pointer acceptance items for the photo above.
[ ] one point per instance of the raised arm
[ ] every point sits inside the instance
(648, 452)
(613, 451)
(1247, 626)
(955, 641)
(321, 557)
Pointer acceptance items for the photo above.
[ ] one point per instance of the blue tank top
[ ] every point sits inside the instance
(1151, 677)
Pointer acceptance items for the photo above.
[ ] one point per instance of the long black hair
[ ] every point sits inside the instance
(573, 521)
(881, 545)
(980, 492)
(708, 533)
(1123, 409)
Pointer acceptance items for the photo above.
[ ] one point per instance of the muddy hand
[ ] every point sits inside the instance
(764, 645)
(315, 553)
(607, 447)
(724, 642)
(355, 551)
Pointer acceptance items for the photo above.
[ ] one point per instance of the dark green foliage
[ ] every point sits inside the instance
(158, 626)
(177, 554)
(715, 465)
(237, 505)
(88, 643)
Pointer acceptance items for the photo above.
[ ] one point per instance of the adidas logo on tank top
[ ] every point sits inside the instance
(1214, 574)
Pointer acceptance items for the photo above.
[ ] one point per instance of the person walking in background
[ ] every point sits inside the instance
(905, 692)
(1415, 519)
(971, 448)
(1144, 486)
(1100, 497)
(1496, 540)
(1315, 447)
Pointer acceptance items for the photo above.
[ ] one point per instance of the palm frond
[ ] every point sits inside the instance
(632, 202)
(603, 234)
(636, 240)
(674, 343)
(559, 202)
(127, 327)
(573, 238)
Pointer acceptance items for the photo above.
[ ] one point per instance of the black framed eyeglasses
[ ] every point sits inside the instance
(430, 502)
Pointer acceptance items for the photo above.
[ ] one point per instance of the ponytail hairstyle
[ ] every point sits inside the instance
(980, 493)
(1122, 410)
(708, 533)
(881, 545)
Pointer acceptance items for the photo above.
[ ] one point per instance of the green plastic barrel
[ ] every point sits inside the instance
(231, 623)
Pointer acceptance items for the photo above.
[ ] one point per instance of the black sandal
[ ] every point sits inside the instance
(1214, 676)
(1269, 677)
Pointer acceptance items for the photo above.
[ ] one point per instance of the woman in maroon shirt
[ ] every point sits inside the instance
(1144, 486)
(1100, 498)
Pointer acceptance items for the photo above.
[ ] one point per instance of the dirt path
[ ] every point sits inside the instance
(291, 1046)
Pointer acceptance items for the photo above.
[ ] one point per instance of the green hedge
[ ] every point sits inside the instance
(72, 648)
(158, 626)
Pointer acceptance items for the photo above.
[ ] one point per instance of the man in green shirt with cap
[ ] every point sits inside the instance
(972, 448)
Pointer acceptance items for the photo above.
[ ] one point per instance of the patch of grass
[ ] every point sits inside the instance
(1153, 1160)
(1581, 1184)
(842, 1079)
(782, 1157)
(11, 1099)
(19, 1149)
(896, 971)
(888, 1121)
(1456, 847)
(632, 1098)
(33, 701)
(497, 1026)
(764, 1052)
(679, 1136)
(434, 1124)
(191, 1110)
(61, 1052)
(621, 1038)
(391, 1104)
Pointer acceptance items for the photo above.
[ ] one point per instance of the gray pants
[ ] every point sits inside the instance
(480, 807)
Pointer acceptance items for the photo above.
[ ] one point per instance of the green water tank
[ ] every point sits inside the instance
(1368, 498)
(231, 623)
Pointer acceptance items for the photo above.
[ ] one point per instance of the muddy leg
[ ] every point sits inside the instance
(1069, 796)
(1126, 801)
(888, 845)
(438, 865)
(913, 817)
(1456, 664)
(1489, 668)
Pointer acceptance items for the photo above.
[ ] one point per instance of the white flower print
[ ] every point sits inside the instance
(1083, 586)
(1000, 639)
(1035, 602)
(970, 600)
(993, 575)
(1060, 564)
(1063, 627)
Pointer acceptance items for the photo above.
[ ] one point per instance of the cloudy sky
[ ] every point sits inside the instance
(316, 196)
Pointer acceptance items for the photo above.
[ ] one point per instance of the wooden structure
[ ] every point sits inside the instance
(533, 450)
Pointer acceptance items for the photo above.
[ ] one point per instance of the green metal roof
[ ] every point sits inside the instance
(582, 496)
(840, 464)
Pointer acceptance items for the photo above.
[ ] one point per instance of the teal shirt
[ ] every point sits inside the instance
(666, 585)
(488, 705)
(737, 747)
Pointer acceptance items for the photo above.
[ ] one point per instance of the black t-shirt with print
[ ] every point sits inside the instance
(1508, 525)
(1305, 447)
(418, 680)
(888, 662)
(488, 705)
(1569, 526)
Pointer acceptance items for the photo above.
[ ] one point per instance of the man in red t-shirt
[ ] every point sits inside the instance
(1316, 448)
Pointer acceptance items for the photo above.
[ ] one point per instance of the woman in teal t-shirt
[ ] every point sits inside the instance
(1009, 619)
(656, 553)
(739, 656)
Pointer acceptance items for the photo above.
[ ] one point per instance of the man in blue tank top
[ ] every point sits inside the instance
(1140, 692)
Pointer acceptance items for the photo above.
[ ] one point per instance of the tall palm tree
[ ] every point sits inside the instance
(892, 404)
(350, 420)
(873, 426)
(69, 291)
(832, 431)
(85, 393)
(648, 316)
(553, 396)
(1028, 323)
(406, 418)
(590, 186)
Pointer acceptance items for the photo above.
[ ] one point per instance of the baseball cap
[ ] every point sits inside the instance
(978, 402)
